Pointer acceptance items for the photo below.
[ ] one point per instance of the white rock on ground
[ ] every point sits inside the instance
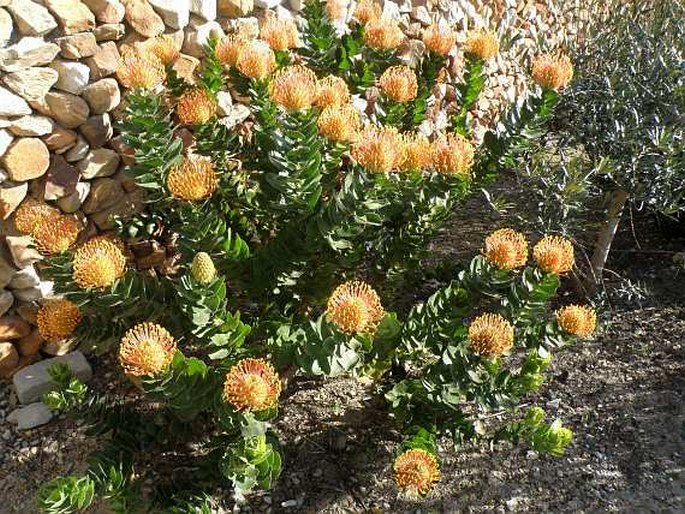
(29, 51)
(32, 126)
(12, 105)
(31, 416)
(5, 27)
(31, 18)
(31, 83)
(5, 141)
(73, 76)
(175, 13)
(6, 301)
(204, 8)
(33, 381)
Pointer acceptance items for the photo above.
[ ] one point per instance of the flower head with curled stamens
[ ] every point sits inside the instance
(416, 471)
(256, 60)
(336, 9)
(399, 83)
(453, 155)
(379, 149)
(482, 44)
(439, 40)
(98, 262)
(32, 213)
(355, 308)
(367, 11)
(383, 34)
(252, 385)
(140, 69)
(56, 235)
(506, 249)
(192, 179)
(552, 71)
(339, 123)
(579, 320)
(554, 254)
(417, 152)
(146, 350)
(294, 88)
(164, 47)
(490, 335)
(57, 319)
(196, 106)
(332, 90)
(229, 47)
(280, 34)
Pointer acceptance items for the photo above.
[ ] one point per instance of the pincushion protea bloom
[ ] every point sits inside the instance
(367, 11)
(354, 307)
(579, 320)
(203, 269)
(140, 69)
(383, 34)
(31, 214)
(252, 385)
(482, 44)
(146, 350)
(552, 71)
(339, 123)
(332, 90)
(379, 149)
(439, 40)
(506, 249)
(399, 83)
(192, 179)
(196, 106)
(57, 319)
(98, 262)
(452, 155)
(336, 9)
(416, 471)
(554, 254)
(256, 60)
(417, 152)
(164, 47)
(280, 34)
(294, 87)
(57, 234)
(490, 335)
(229, 47)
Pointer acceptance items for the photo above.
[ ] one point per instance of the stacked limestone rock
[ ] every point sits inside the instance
(59, 99)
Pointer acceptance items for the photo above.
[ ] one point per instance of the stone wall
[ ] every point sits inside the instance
(59, 99)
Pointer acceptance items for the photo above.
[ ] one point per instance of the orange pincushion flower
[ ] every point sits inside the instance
(417, 152)
(336, 8)
(367, 11)
(399, 83)
(379, 149)
(146, 350)
(332, 90)
(253, 385)
(256, 60)
(192, 179)
(416, 471)
(354, 307)
(31, 214)
(383, 34)
(196, 106)
(482, 44)
(552, 71)
(452, 155)
(490, 335)
(140, 69)
(280, 34)
(579, 320)
(506, 249)
(57, 234)
(339, 122)
(294, 87)
(229, 47)
(439, 40)
(57, 319)
(554, 254)
(98, 262)
(164, 47)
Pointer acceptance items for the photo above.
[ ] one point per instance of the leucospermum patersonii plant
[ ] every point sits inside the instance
(256, 228)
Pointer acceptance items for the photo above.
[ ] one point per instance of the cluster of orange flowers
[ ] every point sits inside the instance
(192, 179)
(98, 262)
(508, 249)
(52, 231)
(57, 319)
(355, 308)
